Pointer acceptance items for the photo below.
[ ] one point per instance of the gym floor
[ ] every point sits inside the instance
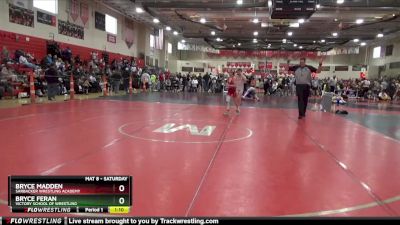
(263, 162)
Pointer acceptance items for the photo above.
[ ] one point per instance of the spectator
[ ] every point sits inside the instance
(116, 81)
(162, 81)
(86, 86)
(5, 86)
(126, 75)
(145, 78)
(314, 86)
(153, 81)
(5, 55)
(384, 85)
(266, 86)
(67, 54)
(206, 79)
(168, 84)
(194, 84)
(185, 80)
(384, 96)
(391, 90)
(24, 61)
(48, 60)
(77, 60)
(365, 84)
(51, 76)
(332, 84)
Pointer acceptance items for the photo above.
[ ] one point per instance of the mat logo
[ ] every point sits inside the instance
(193, 129)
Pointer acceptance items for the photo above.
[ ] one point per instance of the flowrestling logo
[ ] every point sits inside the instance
(193, 129)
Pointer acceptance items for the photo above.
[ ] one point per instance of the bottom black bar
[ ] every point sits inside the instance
(187, 220)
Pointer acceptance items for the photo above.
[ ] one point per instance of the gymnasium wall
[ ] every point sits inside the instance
(165, 60)
(19, 36)
(37, 46)
(363, 58)
(332, 61)
(34, 38)
(385, 61)
(93, 38)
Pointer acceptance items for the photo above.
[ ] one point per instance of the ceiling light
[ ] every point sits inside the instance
(269, 46)
(356, 40)
(318, 6)
(155, 20)
(323, 41)
(335, 19)
(335, 34)
(234, 46)
(379, 35)
(183, 41)
(139, 10)
(264, 24)
(295, 45)
(393, 15)
(202, 20)
(254, 40)
(340, 1)
(294, 25)
(239, 44)
(239, 2)
(378, 17)
(314, 41)
(290, 33)
(255, 20)
(284, 40)
(363, 44)
(168, 28)
(255, 33)
(301, 20)
(212, 33)
(175, 33)
(269, 3)
(301, 47)
(359, 21)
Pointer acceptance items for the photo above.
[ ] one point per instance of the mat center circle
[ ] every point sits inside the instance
(185, 131)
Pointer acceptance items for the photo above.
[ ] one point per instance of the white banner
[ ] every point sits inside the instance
(341, 51)
(128, 33)
(21, 3)
(194, 47)
(159, 39)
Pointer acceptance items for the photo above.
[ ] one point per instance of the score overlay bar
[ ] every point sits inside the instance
(63, 194)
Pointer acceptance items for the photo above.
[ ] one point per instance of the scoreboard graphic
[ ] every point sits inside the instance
(293, 9)
(70, 194)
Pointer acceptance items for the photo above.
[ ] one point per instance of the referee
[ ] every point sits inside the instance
(302, 74)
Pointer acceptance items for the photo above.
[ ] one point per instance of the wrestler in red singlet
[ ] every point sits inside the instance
(232, 93)
(231, 87)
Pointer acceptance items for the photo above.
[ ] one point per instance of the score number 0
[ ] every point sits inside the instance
(121, 200)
